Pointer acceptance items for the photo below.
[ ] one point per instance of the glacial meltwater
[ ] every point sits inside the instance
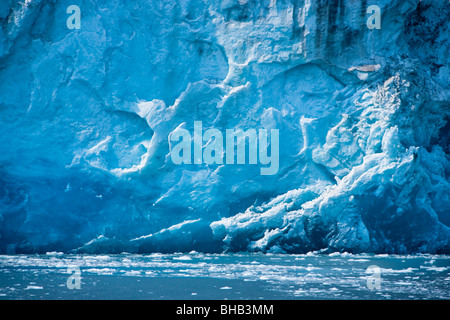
(224, 276)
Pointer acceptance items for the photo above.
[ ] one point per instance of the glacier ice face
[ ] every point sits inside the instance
(363, 117)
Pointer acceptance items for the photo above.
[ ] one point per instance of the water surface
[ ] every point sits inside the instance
(225, 276)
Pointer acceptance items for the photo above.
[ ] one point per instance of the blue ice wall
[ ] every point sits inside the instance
(363, 118)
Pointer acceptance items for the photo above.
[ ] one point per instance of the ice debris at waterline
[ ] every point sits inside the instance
(363, 119)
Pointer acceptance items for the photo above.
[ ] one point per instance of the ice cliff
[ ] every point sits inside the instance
(363, 117)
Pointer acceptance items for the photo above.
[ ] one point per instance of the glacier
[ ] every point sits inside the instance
(363, 119)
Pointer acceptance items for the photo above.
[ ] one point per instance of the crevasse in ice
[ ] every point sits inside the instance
(362, 115)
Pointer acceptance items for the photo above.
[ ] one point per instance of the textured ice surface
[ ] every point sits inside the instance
(363, 118)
